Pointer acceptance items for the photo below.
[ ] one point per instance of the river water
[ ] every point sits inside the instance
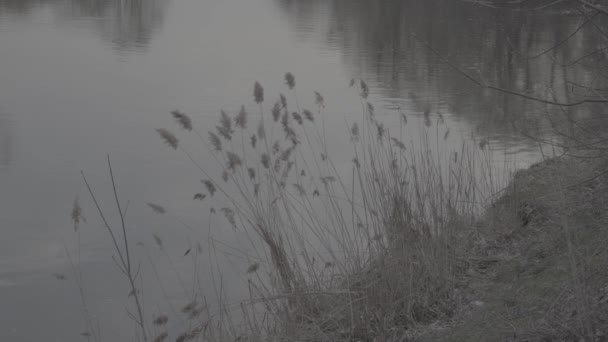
(83, 79)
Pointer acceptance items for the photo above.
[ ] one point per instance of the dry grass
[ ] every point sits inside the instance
(362, 255)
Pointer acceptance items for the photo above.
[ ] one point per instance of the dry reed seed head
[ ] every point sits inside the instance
(300, 189)
(161, 337)
(156, 208)
(364, 89)
(354, 132)
(189, 307)
(398, 143)
(277, 165)
(287, 170)
(229, 214)
(276, 111)
(258, 92)
(303, 173)
(308, 115)
(225, 175)
(158, 240)
(168, 137)
(209, 185)
(234, 160)
(199, 196)
(447, 134)
(241, 118)
(290, 80)
(285, 121)
(182, 119)
(370, 109)
(189, 335)
(261, 131)
(76, 214)
(404, 118)
(59, 276)
(287, 153)
(251, 172)
(161, 320)
(225, 127)
(256, 189)
(351, 83)
(483, 143)
(316, 193)
(253, 268)
(265, 160)
(215, 141)
(283, 100)
(327, 180)
(276, 147)
(297, 117)
(319, 100)
(381, 130)
(427, 121)
(195, 313)
(356, 162)
(290, 134)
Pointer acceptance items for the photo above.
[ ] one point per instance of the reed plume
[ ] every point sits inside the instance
(364, 89)
(234, 160)
(253, 268)
(290, 80)
(398, 143)
(215, 141)
(319, 100)
(370, 109)
(225, 127)
(156, 208)
(161, 337)
(168, 137)
(296, 116)
(76, 214)
(210, 186)
(308, 115)
(229, 214)
(354, 132)
(258, 92)
(182, 119)
(261, 131)
(161, 320)
(241, 118)
(265, 160)
(276, 111)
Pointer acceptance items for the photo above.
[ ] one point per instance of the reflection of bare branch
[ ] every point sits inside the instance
(503, 90)
(594, 6)
(560, 43)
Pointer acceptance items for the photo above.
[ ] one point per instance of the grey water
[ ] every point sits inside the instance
(81, 79)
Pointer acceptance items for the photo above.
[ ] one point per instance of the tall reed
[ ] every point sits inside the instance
(352, 253)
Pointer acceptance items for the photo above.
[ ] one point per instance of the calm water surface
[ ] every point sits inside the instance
(82, 79)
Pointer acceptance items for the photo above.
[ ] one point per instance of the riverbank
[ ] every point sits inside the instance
(538, 267)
